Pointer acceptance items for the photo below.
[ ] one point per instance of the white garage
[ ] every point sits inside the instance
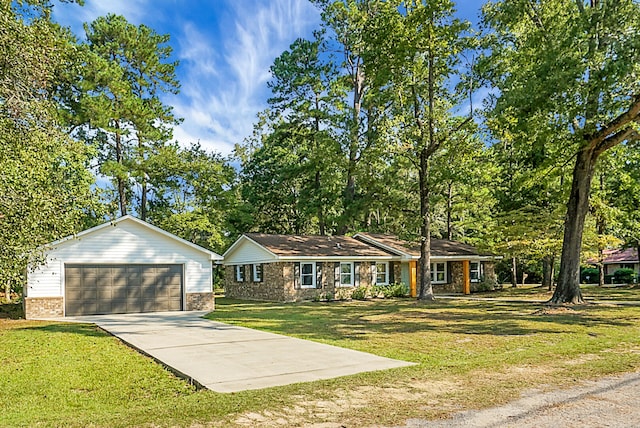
(123, 266)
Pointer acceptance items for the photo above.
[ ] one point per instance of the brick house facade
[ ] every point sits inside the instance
(286, 268)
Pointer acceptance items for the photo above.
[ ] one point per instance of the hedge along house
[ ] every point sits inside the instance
(290, 268)
(122, 266)
(455, 266)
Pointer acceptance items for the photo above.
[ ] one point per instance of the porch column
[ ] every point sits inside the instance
(466, 277)
(413, 268)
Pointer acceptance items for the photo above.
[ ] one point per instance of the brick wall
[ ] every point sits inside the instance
(455, 279)
(279, 283)
(200, 302)
(489, 275)
(397, 272)
(272, 287)
(43, 307)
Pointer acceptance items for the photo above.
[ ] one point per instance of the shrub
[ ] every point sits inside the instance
(395, 290)
(360, 293)
(589, 275)
(484, 286)
(329, 296)
(316, 297)
(377, 290)
(343, 294)
(624, 276)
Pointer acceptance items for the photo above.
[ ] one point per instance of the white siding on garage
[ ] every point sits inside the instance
(125, 242)
(247, 252)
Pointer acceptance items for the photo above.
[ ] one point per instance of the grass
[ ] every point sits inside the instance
(590, 292)
(470, 354)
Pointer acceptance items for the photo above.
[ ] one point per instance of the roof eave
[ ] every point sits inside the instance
(373, 241)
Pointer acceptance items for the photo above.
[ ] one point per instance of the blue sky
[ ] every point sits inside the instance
(225, 49)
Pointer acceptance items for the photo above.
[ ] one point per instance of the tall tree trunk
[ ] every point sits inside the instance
(357, 81)
(514, 272)
(547, 272)
(601, 273)
(320, 209)
(426, 288)
(568, 289)
(7, 292)
(449, 209)
(600, 229)
(318, 181)
(143, 199)
(120, 182)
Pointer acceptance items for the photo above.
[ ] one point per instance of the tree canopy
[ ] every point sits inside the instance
(371, 125)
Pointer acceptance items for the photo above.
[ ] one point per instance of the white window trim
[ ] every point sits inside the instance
(255, 271)
(434, 273)
(386, 274)
(479, 271)
(313, 275)
(352, 274)
(239, 274)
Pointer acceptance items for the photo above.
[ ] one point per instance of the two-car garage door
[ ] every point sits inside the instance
(123, 288)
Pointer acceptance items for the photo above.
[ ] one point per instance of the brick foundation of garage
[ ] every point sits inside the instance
(200, 302)
(43, 307)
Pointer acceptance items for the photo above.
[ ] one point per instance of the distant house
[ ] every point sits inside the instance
(291, 268)
(615, 259)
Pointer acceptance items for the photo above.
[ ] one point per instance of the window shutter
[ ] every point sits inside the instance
(336, 275)
(356, 274)
(250, 279)
(318, 275)
(261, 272)
(392, 279)
(296, 275)
(374, 273)
(448, 267)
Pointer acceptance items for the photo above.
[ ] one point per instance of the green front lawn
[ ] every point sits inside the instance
(590, 292)
(470, 354)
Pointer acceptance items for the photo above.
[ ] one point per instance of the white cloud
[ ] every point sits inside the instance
(73, 16)
(223, 92)
(225, 50)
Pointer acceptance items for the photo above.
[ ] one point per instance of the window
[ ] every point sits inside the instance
(239, 273)
(475, 271)
(257, 273)
(439, 273)
(382, 273)
(346, 274)
(627, 266)
(307, 275)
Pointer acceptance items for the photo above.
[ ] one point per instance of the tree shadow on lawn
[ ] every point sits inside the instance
(354, 322)
(89, 330)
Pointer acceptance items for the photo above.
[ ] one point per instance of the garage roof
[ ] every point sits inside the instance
(129, 218)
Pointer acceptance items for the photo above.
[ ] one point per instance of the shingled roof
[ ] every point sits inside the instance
(316, 246)
(627, 255)
(439, 247)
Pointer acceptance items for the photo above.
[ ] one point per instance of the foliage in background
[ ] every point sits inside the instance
(567, 91)
(44, 180)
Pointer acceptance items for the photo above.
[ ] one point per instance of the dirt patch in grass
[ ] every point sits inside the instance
(343, 403)
(555, 310)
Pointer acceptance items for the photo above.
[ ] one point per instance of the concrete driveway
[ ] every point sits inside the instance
(226, 358)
